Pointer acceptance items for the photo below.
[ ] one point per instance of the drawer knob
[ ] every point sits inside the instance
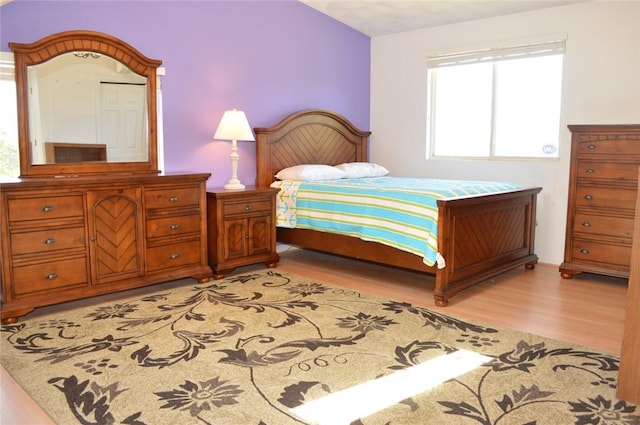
(586, 224)
(175, 226)
(47, 208)
(175, 256)
(590, 170)
(248, 207)
(591, 146)
(49, 241)
(173, 198)
(51, 276)
(588, 197)
(584, 251)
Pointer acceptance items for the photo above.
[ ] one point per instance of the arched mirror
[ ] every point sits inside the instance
(86, 105)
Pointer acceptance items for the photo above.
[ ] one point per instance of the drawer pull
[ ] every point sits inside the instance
(49, 241)
(591, 146)
(586, 224)
(590, 170)
(51, 276)
(588, 197)
(173, 198)
(175, 256)
(47, 208)
(584, 251)
(248, 207)
(175, 226)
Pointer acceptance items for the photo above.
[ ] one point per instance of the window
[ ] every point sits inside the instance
(496, 103)
(9, 163)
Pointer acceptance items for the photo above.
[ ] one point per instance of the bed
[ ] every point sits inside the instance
(479, 236)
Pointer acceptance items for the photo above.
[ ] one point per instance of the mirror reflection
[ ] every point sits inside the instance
(87, 107)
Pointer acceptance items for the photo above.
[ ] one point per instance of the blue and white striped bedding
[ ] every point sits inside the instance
(396, 211)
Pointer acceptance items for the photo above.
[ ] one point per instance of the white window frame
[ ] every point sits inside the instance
(552, 46)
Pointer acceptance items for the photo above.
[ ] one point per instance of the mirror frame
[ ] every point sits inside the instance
(27, 54)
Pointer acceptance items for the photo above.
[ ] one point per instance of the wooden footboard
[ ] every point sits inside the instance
(483, 236)
(480, 237)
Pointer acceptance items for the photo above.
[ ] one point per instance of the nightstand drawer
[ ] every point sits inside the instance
(232, 208)
(45, 208)
(173, 226)
(47, 240)
(173, 255)
(171, 198)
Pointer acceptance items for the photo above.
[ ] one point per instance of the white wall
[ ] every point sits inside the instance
(601, 86)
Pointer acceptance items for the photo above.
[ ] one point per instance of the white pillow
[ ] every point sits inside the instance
(358, 170)
(311, 172)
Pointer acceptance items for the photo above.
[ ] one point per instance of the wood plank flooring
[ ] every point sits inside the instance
(587, 310)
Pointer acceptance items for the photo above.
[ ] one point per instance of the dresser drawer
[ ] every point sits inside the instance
(608, 145)
(173, 255)
(47, 240)
(599, 197)
(45, 208)
(173, 226)
(589, 252)
(603, 225)
(245, 207)
(171, 197)
(59, 274)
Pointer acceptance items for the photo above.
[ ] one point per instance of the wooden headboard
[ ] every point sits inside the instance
(311, 136)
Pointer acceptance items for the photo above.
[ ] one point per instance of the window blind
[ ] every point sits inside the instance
(497, 54)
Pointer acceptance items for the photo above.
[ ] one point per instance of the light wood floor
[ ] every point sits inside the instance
(587, 310)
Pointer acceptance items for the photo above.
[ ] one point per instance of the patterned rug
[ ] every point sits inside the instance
(247, 349)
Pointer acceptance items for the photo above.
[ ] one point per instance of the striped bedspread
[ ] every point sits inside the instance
(396, 211)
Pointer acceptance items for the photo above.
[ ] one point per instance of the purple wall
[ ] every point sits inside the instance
(268, 58)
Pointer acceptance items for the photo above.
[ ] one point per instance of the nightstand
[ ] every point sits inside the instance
(241, 228)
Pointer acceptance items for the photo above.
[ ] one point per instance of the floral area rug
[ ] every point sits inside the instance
(248, 349)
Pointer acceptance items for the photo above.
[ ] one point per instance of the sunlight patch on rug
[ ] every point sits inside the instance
(359, 401)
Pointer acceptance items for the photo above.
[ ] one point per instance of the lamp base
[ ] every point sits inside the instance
(234, 185)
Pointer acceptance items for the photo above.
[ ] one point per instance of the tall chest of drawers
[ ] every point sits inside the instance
(78, 237)
(603, 184)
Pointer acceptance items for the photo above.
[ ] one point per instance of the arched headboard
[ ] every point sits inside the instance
(311, 136)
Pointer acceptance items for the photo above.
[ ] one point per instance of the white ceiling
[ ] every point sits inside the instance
(380, 17)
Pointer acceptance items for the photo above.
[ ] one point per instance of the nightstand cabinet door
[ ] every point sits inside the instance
(241, 229)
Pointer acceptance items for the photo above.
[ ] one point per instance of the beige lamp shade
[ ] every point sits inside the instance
(234, 126)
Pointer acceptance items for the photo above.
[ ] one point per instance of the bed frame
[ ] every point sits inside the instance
(479, 236)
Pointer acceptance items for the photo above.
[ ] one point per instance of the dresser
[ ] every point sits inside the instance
(77, 237)
(241, 228)
(603, 185)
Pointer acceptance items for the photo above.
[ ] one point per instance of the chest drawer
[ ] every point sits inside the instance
(173, 226)
(245, 207)
(45, 208)
(599, 197)
(47, 240)
(60, 274)
(598, 252)
(172, 197)
(609, 145)
(173, 255)
(621, 171)
(603, 225)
